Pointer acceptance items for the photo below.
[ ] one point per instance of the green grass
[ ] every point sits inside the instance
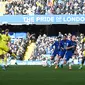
(38, 75)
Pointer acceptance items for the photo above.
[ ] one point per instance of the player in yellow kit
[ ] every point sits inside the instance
(4, 48)
(6, 38)
(83, 59)
(1, 52)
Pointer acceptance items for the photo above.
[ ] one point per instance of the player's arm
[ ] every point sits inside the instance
(52, 46)
(69, 46)
(9, 40)
(61, 46)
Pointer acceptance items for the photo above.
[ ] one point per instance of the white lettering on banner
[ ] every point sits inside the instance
(45, 19)
(28, 19)
(58, 19)
(73, 19)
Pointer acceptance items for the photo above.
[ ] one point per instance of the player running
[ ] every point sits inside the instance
(56, 47)
(62, 50)
(70, 49)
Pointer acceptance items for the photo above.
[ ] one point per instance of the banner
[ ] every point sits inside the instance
(19, 62)
(42, 19)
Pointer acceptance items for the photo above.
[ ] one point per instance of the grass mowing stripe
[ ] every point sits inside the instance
(37, 75)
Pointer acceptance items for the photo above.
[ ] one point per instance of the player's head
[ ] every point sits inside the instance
(6, 31)
(64, 37)
(59, 38)
(73, 38)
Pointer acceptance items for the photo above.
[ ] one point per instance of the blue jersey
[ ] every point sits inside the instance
(63, 44)
(57, 48)
(69, 52)
(71, 43)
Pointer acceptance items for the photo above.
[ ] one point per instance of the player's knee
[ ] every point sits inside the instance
(60, 57)
(52, 58)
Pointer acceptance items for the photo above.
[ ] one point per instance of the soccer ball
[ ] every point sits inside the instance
(44, 63)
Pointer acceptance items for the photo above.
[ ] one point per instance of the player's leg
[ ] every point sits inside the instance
(70, 63)
(5, 60)
(82, 62)
(12, 54)
(68, 59)
(1, 57)
(2, 62)
(7, 49)
(51, 59)
(59, 60)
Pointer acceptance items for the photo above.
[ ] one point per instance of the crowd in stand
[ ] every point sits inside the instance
(32, 7)
(19, 46)
(44, 43)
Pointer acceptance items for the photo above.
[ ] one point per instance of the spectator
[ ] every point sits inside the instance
(31, 7)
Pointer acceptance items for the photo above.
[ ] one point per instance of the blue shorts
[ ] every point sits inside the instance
(55, 53)
(62, 53)
(68, 55)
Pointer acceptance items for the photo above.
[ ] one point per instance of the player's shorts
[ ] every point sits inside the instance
(4, 52)
(4, 47)
(62, 53)
(68, 55)
(55, 53)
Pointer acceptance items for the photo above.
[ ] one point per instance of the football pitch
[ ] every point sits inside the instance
(38, 75)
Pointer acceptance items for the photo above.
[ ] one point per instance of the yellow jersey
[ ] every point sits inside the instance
(83, 40)
(4, 43)
(5, 38)
(0, 36)
(84, 53)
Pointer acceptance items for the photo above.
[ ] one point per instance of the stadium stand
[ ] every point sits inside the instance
(31, 7)
(18, 45)
(2, 7)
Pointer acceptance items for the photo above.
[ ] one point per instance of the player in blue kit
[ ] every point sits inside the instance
(63, 44)
(70, 49)
(56, 47)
